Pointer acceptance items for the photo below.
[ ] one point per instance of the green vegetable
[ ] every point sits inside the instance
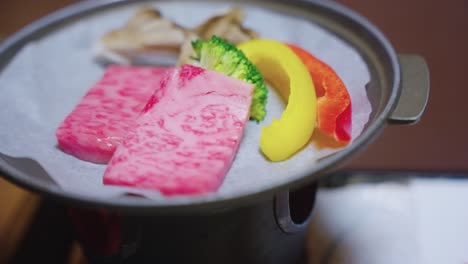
(224, 57)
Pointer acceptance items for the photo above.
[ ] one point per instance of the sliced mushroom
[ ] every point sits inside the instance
(227, 26)
(146, 32)
(149, 38)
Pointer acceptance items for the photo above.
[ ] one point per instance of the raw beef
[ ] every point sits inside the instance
(188, 135)
(98, 123)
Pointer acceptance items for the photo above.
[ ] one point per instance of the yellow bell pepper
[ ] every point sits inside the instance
(282, 68)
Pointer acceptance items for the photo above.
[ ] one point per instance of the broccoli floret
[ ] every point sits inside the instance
(224, 57)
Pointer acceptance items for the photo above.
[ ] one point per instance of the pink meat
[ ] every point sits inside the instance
(187, 138)
(98, 123)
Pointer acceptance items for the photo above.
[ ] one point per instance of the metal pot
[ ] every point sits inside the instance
(264, 226)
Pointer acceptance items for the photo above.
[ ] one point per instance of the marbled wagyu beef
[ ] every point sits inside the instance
(188, 134)
(96, 126)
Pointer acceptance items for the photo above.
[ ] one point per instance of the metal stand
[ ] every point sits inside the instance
(270, 232)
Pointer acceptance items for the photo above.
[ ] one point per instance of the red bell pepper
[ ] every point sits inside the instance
(333, 100)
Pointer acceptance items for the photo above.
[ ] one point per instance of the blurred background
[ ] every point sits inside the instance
(438, 144)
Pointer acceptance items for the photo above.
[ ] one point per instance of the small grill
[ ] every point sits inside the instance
(258, 226)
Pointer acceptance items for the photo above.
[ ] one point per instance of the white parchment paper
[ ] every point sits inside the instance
(45, 81)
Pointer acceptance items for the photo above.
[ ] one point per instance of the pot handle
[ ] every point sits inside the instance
(414, 90)
(293, 209)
